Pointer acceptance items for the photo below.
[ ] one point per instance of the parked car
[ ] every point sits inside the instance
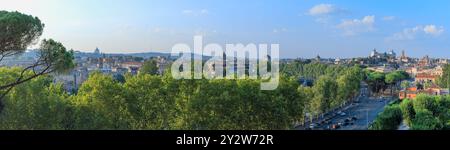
(347, 120)
(312, 125)
(335, 126)
(345, 124)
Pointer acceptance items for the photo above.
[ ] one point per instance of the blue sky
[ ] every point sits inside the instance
(303, 28)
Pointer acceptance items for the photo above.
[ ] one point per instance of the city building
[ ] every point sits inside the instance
(425, 77)
(424, 62)
(404, 58)
(411, 93)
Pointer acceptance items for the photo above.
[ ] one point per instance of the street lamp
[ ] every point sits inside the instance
(367, 117)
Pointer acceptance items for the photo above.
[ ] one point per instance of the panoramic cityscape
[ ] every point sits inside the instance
(341, 66)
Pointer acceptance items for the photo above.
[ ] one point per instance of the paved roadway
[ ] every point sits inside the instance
(365, 110)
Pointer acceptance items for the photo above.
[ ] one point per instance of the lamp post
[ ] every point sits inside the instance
(367, 117)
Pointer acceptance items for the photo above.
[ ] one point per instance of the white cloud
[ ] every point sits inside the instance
(388, 18)
(279, 30)
(433, 30)
(195, 12)
(324, 13)
(406, 34)
(322, 9)
(368, 20)
(413, 33)
(186, 12)
(355, 26)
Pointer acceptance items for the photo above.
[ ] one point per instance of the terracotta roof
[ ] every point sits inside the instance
(132, 63)
(424, 75)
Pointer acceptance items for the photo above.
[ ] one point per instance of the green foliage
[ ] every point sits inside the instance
(405, 84)
(396, 76)
(152, 102)
(325, 94)
(334, 84)
(18, 31)
(425, 120)
(101, 104)
(149, 67)
(311, 70)
(389, 119)
(119, 78)
(37, 104)
(348, 85)
(408, 111)
(231, 104)
(425, 102)
(55, 56)
(444, 80)
(376, 81)
(423, 113)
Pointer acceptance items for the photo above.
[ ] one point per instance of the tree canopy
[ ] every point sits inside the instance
(422, 113)
(149, 67)
(17, 32)
(444, 80)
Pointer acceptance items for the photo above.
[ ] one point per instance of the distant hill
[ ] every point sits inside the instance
(144, 55)
(147, 54)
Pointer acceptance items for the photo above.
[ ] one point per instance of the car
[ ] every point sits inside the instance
(354, 118)
(335, 126)
(347, 120)
(343, 114)
(312, 125)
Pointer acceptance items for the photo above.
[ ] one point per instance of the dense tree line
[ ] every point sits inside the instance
(422, 113)
(311, 70)
(389, 119)
(444, 80)
(334, 85)
(427, 112)
(152, 102)
(379, 82)
(148, 101)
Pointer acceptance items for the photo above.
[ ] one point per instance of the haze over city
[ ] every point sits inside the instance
(303, 28)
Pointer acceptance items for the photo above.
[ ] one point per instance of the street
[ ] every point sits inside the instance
(355, 116)
(364, 113)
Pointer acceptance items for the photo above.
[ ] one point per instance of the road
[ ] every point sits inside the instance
(364, 111)
(358, 114)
